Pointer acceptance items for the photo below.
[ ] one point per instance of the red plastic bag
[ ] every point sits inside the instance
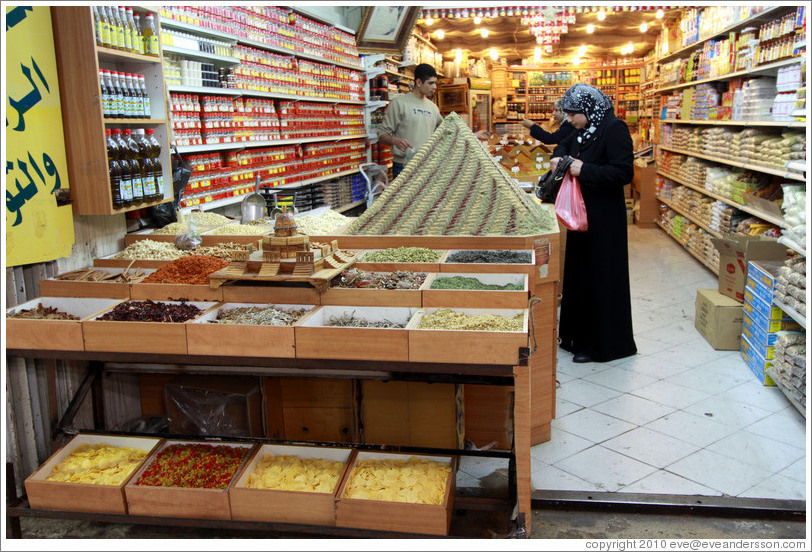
(569, 205)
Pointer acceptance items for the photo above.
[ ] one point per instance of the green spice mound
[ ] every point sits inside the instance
(495, 257)
(464, 282)
(402, 255)
(446, 319)
(454, 187)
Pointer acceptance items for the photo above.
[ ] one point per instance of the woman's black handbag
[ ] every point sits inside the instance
(550, 182)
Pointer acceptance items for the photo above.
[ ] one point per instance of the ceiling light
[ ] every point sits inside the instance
(590, 28)
(484, 33)
(477, 20)
(429, 21)
(440, 34)
(630, 47)
(494, 54)
(659, 14)
(601, 15)
(624, 50)
(576, 60)
(643, 27)
(458, 55)
(582, 50)
(537, 53)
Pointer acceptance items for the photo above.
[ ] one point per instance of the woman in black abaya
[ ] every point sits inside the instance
(596, 312)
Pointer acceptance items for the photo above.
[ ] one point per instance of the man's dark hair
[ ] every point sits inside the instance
(424, 72)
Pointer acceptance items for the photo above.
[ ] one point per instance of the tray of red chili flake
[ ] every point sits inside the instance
(187, 479)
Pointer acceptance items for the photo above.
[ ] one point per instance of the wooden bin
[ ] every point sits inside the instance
(57, 335)
(109, 261)
(489, 268)
(287, 506)
(368, 297)
(467, 298)
(185, 502)
(314, 339)
(138, 337)
(270, 292)
(83, 497)
(406, 517)
(470, 346)
(251, 340)
(390, 267)
(55, 287)
(176, 292)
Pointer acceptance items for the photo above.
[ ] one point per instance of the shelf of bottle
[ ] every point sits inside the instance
(746, 208)
(197, 30)
(693, 253)
(255, 93)
(690, 217)
(733, 163)
(770, 11)
(203, 56)
(140, 206)
(117, 55)
(129, 121)
(260, 143)
(314, 180)
(753, 71)
(780, 124)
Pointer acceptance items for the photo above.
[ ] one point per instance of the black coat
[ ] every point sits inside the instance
(564, 130)
(596, 313)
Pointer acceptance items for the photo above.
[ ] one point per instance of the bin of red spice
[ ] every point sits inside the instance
(184, 278)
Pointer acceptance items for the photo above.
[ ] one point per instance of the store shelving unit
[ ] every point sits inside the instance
(697, 256)
(79, 60)
(792, 175)
(786, 392)
(685, 213)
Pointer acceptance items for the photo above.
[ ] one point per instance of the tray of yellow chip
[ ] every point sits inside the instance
(398, 492)
(89, 473)
(290, 484)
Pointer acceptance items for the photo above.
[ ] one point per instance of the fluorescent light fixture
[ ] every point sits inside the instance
(477, 20)
(494, 54)
(643, 27)
(659, 14)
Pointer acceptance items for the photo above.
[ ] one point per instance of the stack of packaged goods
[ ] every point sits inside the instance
(756, 99)
(686, 138)
(790, 286)
(789, 363)
(718, 179)
(725, 218)
(716, 141)
(794, 209)
(663, 187)
(776, 151)
(705, 97)
(693, 202)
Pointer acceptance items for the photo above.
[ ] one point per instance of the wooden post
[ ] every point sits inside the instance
(521, 439)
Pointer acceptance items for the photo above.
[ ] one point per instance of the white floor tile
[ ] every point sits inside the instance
(769, 455)
(796, 471)
(649, 365)
(591, 425)
(787, 426)
(645, 345)
(580, 369)
(718, 472)
(754, 393)
(562, 376)
(651, 447)
(586, 393)
(703, 380)
(616, 470)
(564, 407)
(672, 334)
(554, 479)
(697, 430)
(732, 413)
(560, 446)
(671, 394)
(635, 410)
(777, 486)
(620, 379)
(692, 354)
(663, 482)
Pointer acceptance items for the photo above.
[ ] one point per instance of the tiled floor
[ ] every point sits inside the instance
(677, 418)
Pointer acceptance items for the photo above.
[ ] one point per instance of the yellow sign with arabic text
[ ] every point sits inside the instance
(37, 228)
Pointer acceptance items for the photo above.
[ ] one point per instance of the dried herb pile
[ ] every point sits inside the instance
(349, 320)
(259, 316)
(446, 319)
(150, 311)
(194, 269)
(194, 465)
(494, 257)
(151, 250)
(42, 312)
(400, 279)
(402, 255)
(464, 282)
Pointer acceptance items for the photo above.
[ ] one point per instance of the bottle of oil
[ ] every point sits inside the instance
(115, 170)
(135, 35)
(125, 187)
(151, 38)
(139, 39)
(155, 160)
(131, 155)
(145, 164)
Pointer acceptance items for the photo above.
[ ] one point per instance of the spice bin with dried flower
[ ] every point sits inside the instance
(400, 288)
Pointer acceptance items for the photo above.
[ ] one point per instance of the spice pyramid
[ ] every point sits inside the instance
(453, 187)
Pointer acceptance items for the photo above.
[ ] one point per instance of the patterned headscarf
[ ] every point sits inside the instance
(586, 99)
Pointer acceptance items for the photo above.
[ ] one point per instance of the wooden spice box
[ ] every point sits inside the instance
(391, 267)
(109, 261)
(270, 292)
(57, 335)
(138, 337)
(55, 287)
(369, 297)
(207, 338)
(287, 506)
(185, 502)
(176, 292)
(83, 497)
(470, 346)
(473, 298)
(432, 519)
(314, 339)
(492, 268)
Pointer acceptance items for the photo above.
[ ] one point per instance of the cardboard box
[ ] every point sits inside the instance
(760, 348)
(756, 362)
(761, 278)
(754, 305)
(736, 253)
(214, 405)
(755, 318)
(718, 319)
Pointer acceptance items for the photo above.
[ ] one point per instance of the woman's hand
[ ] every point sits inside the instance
(575, 167)
(554, 163)
(527, 123)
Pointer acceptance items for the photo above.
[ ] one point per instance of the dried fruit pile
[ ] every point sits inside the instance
(150, 311)
(194, 269)
(355, 278)
(291, 473)
(416, 480)
(99, 464)
(194, 465)
(454, 187)
(41, 312)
